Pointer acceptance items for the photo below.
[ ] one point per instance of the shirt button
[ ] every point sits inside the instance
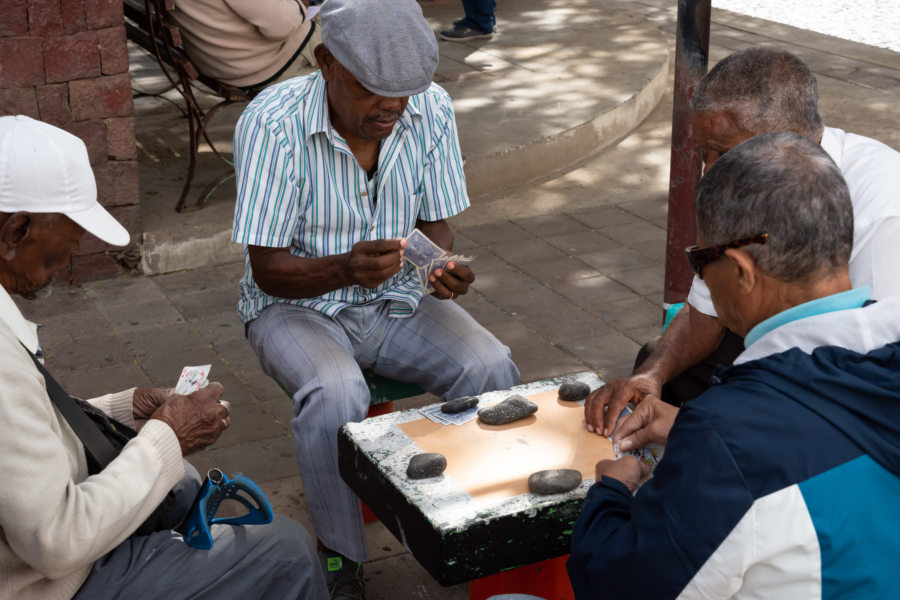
(372, 228)
(364, 194)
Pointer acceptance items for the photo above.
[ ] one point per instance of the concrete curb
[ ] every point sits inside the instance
(543, 157)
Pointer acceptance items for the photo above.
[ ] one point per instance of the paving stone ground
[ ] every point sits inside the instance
(569, 275)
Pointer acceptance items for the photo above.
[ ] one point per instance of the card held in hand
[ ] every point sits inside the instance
(425, 256)
(192, 379)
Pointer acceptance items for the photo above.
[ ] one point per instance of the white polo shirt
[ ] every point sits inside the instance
(872, 172)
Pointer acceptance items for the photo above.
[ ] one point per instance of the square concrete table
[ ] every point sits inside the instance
(455, 536)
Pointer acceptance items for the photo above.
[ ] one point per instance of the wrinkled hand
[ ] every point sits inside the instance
(369, 264)
(603, 406)
(628, 469)
(197, 419)
(145, 401)
(452, 281)
(650, 423)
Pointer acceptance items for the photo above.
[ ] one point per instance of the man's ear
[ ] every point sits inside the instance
(325, 60)
(746, 275)
(12, 232)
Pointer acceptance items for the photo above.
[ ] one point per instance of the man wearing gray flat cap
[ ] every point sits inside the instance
(334, 171)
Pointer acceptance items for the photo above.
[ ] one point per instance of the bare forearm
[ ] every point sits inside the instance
(284, 275)
(690, 337)
(438, 232)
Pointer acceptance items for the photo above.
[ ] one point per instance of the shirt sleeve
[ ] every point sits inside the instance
(268, 190)
(651, 546)
(118, 405)
(700, 298)
(873, 259)
(445, 180)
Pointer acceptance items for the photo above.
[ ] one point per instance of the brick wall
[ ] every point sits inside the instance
(65, 62)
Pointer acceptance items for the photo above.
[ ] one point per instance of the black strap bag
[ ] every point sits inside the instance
(103, 439)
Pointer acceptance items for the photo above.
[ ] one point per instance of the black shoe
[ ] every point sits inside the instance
(464, 33)
(458, 22)
(343, 577)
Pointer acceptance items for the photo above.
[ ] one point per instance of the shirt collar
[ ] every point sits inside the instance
(854, 298)
(24, 330)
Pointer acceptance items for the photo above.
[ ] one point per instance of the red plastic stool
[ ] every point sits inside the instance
(374, 411)
(547, 579)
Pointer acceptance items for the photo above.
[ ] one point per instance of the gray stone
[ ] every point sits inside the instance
(512, 409)
(460, 404)
(425, 465)
(573, 391)
(554, 481)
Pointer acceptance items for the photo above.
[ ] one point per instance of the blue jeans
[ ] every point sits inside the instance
(480, 14)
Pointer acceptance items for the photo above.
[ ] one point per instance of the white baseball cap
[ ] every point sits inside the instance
(44, 169)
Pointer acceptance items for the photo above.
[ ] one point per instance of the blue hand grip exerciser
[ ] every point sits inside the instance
(216, 489)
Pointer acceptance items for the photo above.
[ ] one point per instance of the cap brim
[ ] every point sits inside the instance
(100, 223)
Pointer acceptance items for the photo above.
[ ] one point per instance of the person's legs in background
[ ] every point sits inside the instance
(479, 21)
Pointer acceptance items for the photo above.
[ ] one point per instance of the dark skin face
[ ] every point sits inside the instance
(33, 249)
(362, 118)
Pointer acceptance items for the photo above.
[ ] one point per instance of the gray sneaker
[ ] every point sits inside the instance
(343, 577)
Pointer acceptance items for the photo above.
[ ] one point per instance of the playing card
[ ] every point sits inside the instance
(192, 379)
(420, 250)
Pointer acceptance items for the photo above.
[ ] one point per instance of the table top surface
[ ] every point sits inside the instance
(488, 466)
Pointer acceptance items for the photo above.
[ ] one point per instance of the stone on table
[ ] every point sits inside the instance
(512, 409)
(554, 481)
(425, 465)
(573, 391)
(459, 405)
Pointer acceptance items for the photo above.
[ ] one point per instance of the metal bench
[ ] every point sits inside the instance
(149, 24)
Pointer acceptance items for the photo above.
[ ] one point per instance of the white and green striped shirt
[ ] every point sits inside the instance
(299, 186)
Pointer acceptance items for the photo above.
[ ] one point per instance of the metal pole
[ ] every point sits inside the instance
(691, 57)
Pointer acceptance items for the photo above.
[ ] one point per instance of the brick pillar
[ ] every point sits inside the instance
(65, 62)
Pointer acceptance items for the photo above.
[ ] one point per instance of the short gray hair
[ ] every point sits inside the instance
(785, 185)
(764, 90)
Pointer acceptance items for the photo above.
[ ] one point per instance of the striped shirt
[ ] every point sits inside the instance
(300, 187)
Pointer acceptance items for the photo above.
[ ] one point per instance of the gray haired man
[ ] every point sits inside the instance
(771, 477)
(752, 92)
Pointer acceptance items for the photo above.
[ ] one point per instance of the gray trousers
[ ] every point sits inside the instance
(440, 347)
(277, 561)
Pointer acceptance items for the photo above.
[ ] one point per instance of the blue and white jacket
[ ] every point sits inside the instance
(780, 482)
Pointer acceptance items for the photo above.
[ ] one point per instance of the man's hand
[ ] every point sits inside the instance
(627, 470)
(452, 281)
(369, 264)
(602, 407)
(145, 401)
(650, 423)
(197, 419)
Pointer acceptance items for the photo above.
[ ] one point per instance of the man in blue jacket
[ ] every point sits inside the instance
(781, 480)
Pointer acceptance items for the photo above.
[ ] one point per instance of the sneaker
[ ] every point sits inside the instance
(464, 33)
(343, 577)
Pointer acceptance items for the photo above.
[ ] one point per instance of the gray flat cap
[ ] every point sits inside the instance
(386, 44)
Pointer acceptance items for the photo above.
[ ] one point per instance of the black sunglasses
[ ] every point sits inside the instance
(700, 257)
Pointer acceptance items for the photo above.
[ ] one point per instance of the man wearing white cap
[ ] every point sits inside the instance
(334, 171)
(67, 525)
